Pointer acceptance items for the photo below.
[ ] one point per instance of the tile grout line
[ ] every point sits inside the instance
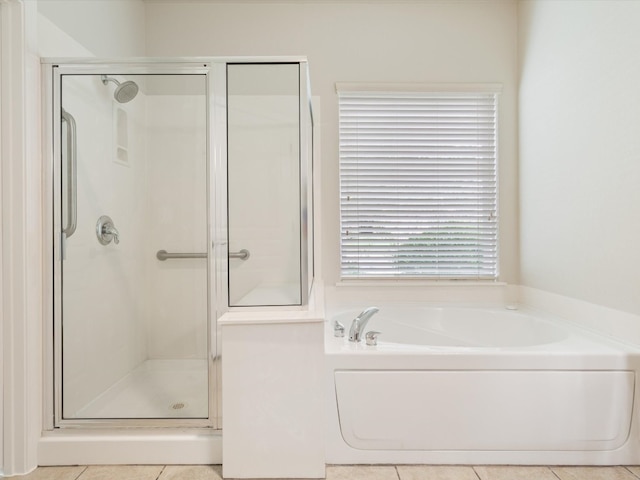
(548, 467)
(554, 473)
(161, 472)
(626, 467)
(82, 472)
(473, 467)
(397, 472)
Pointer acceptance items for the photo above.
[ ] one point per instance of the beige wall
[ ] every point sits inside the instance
(579, 149)
(106, 28)
(430, 41)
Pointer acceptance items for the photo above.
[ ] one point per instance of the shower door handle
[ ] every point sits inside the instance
(72, 185)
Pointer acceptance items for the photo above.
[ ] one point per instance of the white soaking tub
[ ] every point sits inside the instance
(479, 385)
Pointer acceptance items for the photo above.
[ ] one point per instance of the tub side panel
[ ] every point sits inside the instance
(485, 410)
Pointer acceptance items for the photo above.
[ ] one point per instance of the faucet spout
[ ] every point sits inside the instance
(358, 324)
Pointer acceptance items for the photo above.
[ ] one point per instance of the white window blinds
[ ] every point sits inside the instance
(418, 189)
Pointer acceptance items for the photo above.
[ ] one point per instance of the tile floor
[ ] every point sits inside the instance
(355, 472)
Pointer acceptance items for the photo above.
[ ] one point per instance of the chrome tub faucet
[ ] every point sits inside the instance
(358, 324)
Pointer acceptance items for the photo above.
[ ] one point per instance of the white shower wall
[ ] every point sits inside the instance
(264, 199)
(102, 285)
(121, 305)
(176, 221)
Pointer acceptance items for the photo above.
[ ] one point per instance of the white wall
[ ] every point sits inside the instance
(107, 28)
(579, 127)
(264, 210)
(102, 284)
(21, 263)
(175, 220)
(430, 41)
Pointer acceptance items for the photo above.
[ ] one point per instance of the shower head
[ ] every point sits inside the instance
(125, 91)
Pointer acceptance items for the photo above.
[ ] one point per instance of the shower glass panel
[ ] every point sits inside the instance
(134, 328)
(264, 189)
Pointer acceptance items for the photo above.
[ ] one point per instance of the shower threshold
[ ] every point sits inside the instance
(154, 389)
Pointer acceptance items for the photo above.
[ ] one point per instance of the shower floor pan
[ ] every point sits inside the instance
(155, 389)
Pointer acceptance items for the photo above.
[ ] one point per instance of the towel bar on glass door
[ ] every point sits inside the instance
(163, 255)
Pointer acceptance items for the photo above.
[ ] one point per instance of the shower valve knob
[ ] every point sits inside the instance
(106, 231)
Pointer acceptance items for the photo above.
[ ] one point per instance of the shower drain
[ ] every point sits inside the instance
(177, 406)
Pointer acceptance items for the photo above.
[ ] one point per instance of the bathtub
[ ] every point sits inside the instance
(479, 385)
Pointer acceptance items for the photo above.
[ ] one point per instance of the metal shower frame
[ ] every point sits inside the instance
(53, 69)
(216, 152)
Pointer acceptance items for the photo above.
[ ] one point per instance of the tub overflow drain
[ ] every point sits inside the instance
(178, 406)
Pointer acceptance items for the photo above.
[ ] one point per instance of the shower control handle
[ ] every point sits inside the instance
(113, 231)
(106, 231)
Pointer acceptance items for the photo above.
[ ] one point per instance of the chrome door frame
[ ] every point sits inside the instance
(52, 71)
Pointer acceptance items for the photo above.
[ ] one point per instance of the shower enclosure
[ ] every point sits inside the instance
(179, 190)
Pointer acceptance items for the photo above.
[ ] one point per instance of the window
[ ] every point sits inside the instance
(418, 187)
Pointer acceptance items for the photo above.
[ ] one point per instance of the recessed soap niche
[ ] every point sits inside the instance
(121, 135)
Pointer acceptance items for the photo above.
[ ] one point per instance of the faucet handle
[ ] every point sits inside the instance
(106, 231)
(338, 329)
(113, 231)
(371, 338)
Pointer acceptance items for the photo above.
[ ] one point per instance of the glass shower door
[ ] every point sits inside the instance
(133, 322)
